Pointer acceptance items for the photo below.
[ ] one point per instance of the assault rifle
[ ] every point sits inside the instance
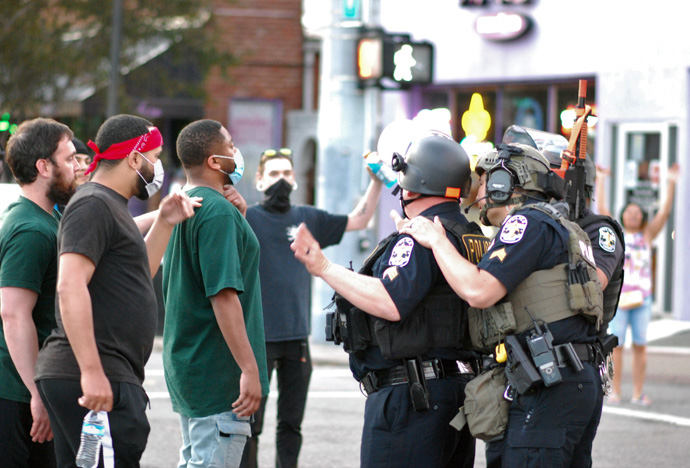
(573, 157)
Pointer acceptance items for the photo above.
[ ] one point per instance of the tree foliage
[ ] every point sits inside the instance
(53, 48)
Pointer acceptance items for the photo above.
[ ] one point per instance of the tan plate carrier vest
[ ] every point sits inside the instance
(560, 292)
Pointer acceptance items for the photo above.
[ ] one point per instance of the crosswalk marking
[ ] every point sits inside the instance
(665, 418)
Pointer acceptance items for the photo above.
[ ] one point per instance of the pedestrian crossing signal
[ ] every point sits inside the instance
(393, 61)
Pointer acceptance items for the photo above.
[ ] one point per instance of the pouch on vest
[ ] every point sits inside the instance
(352, 326)
(489, 326)
(485, 409)
(400, 340)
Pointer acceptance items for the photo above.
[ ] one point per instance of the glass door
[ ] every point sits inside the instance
(643, 155)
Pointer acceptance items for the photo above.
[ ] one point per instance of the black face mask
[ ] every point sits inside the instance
(277, 197)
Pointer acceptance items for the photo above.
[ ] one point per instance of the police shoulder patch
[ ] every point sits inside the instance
(607, 239)
(401, 252)
(513, 229)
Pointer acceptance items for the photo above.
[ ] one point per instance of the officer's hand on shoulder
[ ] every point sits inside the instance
(424, 231)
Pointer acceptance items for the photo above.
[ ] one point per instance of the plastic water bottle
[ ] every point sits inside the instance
(92, 432)
(381, 170)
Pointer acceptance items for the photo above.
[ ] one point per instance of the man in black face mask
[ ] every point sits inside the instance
(286, 291)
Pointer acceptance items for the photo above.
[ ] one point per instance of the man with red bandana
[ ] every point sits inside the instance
(94, 359)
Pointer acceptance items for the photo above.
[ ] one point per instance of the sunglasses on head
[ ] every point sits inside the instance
(269, 153)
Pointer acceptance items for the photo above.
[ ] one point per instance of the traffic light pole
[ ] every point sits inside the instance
(346, 128)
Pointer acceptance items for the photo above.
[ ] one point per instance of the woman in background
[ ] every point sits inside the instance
(635, 305)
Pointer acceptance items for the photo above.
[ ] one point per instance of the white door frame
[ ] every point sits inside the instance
(662, 279)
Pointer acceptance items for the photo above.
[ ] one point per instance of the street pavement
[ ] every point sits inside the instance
(628, 436)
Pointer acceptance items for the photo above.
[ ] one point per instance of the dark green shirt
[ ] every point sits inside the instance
(28, 259)
(214, 250)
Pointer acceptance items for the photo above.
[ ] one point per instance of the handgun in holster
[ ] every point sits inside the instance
(520, 370)
(419, 394)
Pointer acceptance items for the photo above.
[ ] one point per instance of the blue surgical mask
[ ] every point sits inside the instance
(235, 175)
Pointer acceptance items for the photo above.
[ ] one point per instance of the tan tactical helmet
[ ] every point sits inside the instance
(517, 165)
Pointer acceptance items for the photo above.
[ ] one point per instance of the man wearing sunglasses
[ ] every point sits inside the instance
(286, 291)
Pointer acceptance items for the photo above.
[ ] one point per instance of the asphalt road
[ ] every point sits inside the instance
(629, 435)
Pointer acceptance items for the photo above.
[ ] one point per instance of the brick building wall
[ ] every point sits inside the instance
(266, 36)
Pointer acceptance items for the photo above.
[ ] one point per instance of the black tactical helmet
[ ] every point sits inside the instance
(435, 165)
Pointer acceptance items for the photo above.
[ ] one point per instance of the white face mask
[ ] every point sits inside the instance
(158, 176)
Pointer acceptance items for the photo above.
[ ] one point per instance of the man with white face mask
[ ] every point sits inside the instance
(286, 291)
(95, 358)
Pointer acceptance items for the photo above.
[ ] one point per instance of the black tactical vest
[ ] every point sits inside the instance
(439, 321)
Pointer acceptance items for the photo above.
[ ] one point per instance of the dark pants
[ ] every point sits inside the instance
(397, 436)
(16, 448)
(129, 426)
(552, 426)
(292, 362)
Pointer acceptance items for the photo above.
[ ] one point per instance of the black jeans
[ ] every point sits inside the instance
(16, 448)
(292, 362)
(129, 426)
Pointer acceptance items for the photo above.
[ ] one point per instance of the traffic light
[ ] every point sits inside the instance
(393, 61)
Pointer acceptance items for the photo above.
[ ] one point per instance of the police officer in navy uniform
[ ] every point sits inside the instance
(410, 358)
(527, 266)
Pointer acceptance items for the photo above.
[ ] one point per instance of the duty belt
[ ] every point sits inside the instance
(433, 369)
(585, 352)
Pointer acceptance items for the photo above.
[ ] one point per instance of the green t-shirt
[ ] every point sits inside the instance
(28, 259)
(213, 250)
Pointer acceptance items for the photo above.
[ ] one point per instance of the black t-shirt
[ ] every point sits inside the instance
(98, 225)
(285, 282)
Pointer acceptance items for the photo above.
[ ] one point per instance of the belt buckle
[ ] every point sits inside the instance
(432, 369)
(464, 367)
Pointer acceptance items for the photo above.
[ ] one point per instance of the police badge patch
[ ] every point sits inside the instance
(513, 229)
(401, 252)
(607, 239)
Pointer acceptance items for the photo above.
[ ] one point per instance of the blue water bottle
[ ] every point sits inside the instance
(381, 170)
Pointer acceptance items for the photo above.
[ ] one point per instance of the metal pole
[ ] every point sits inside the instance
(115, 41)
(340, 141)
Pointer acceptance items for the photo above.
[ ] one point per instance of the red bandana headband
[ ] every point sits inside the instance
(142, 144)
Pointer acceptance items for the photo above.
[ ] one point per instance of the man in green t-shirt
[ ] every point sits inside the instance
(213, 342)
(41, 156)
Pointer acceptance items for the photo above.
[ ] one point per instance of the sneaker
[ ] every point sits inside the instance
(642, 401)
(613, 398)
